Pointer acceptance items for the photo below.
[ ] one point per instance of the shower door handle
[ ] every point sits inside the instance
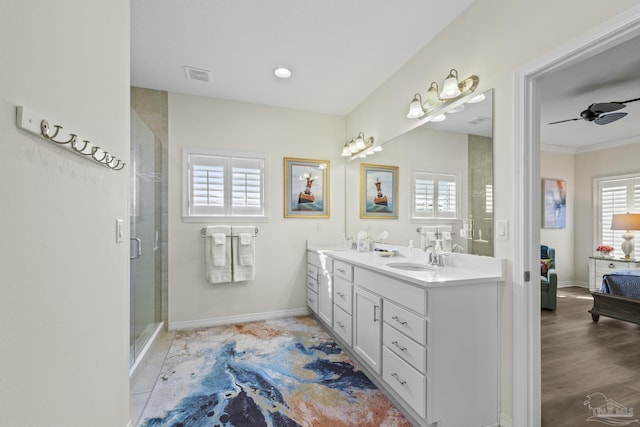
(138, 253)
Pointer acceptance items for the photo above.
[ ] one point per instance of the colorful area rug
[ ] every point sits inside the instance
(283, 372)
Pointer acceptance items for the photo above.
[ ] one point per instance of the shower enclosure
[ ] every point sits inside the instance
(145, 231)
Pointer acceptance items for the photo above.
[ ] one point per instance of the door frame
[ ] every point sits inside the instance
(526, 410)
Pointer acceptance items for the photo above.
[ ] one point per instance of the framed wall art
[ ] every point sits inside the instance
(306, 188)
(554, 203)
(378, 191)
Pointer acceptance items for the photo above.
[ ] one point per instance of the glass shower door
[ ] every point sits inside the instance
(145, 225)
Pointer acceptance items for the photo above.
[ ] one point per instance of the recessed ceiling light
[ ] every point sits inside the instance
(282, 72)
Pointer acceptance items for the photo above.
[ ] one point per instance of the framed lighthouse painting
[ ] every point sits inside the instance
(378, 191)
(306, 184)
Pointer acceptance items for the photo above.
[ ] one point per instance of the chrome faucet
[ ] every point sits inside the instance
(457, 248)
(430, 251)
(433, 257)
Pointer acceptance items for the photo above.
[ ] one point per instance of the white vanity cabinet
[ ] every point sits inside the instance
(431, 343)
(320, 274)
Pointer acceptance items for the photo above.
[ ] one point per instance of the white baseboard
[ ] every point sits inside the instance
(505, 421)
(568, 284)
(241, 318)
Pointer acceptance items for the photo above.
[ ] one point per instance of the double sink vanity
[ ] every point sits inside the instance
(427, 335)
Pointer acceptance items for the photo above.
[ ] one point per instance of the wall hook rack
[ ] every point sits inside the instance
(33, 122)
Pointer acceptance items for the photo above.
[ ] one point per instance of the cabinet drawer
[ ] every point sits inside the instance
(404, 380)
(604, 266)
(312, 272)
(312, 300)
(342, 294)
(312, 284)
(408, 323)
(342, 324)
(344, 270)
(406, 294)
(409, 350)
(313, 258)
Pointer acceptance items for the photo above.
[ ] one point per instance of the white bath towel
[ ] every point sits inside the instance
(244, 253)
(218, 254)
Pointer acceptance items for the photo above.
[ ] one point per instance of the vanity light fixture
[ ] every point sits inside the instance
(454, 94)
(359, 147)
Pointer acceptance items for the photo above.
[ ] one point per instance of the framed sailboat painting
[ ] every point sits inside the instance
(378, 191)
(306, 188)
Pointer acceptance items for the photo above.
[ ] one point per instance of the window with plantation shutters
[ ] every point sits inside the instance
(615, 195)
(224, 185)
(434, 195)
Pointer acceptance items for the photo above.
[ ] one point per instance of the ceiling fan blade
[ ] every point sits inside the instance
(606, 107)
(605, 119)
(562, 121)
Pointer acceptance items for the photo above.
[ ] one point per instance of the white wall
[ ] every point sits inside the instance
(64, 286)
(561, 166)
(493, 39)
(281, 242)
(422, 149)
(595, 164)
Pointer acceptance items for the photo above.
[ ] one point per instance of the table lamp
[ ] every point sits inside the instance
(627, 222)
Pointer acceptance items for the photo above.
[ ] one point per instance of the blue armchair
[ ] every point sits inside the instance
(548, 278)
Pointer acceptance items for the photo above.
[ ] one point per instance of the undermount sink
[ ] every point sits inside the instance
(409, 266)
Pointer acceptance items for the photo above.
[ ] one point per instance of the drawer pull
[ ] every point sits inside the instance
(402, 382)
(403, 323)
(341, 270)
(340, 324)
(375, 312)
(340, 294)
(399, 346)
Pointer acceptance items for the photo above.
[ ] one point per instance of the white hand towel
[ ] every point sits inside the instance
(218, 249)
(218, 255)
(246, 249)
(244, 253)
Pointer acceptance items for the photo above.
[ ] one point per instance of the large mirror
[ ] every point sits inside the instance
(444, 183)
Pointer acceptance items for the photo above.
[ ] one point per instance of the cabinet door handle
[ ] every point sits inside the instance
(375, 312)
(397, 377)
(399, 346)
(403, 323)
(340, 324)
(340, 294)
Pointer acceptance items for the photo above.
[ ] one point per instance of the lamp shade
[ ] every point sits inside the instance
(450, 87)
(415, 108)
(628, 221)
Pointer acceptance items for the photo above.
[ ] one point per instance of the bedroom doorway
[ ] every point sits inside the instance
(526, 295)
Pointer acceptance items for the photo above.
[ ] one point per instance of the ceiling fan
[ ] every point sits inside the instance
(601, 112)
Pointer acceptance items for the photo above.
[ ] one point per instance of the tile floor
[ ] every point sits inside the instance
(146, 374)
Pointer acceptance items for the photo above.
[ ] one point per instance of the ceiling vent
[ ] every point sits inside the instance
(199, 74)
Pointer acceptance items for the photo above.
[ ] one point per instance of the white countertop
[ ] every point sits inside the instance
(459, 269)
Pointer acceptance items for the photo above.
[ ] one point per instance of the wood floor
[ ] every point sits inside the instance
(580, 357)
